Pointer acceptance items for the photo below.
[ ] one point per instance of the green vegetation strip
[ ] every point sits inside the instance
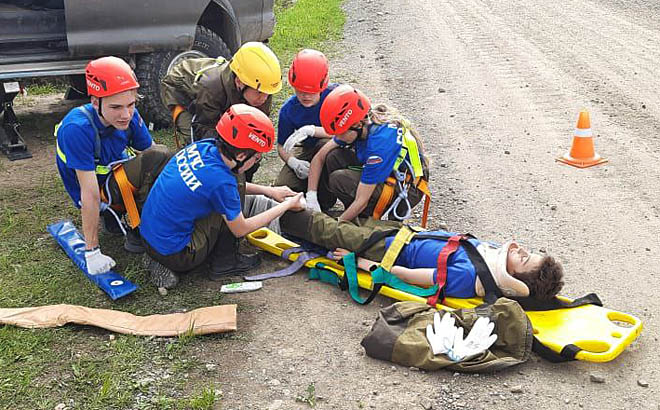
(87, 368)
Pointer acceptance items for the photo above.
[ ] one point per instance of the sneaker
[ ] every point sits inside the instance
(232, 264)
(133, 241)
(161, 276)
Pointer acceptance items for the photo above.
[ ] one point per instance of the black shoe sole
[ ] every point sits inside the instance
(232, 272)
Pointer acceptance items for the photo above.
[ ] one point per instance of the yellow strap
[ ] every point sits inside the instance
(413, 153)
(60, 153)
(127, 189)
(385, 198)
(401, 239)
(409, 147)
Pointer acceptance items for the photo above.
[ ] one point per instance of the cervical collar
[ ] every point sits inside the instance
(496, 259)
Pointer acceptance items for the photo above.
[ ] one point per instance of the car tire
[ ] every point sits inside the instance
(151, 68)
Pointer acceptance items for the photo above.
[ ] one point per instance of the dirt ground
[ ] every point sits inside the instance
(494, 87)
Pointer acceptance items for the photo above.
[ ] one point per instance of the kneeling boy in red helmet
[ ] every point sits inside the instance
(193, 214)
(100, 161)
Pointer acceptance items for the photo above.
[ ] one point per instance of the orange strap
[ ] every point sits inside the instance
(423, 186)
(127, 190)
(176, 111)
(385, 198)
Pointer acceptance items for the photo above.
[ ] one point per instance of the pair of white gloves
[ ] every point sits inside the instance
(299, 166)
(448, 339)
(97, 262)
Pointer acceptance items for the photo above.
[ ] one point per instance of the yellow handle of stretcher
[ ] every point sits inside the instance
(601, 333)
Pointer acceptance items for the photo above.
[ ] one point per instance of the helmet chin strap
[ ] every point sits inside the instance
(100, 109)
(224, 148)
(360, 133)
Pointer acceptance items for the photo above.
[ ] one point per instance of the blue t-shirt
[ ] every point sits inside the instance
(423, 253)
(194, 183)
(76, 141)
(378, 152)
(294, 115)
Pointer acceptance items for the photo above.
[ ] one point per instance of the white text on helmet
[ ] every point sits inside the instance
(258, 140)
(93, 85)
(345, 118)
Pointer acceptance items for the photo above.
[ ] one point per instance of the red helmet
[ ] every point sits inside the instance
(309, 71)
(245, 127)
(344, 107)
(108, 76)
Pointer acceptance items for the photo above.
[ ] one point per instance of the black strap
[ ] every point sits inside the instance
(493, 292)
(532, 304)
(375, 237)
(343, 285)
(567, 353)
(97, 135)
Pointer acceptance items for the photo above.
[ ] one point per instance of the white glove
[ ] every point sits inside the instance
(98, 262)
(442, 338)
(299, 166)
(312, 201)
(478, 340)
(297, 136)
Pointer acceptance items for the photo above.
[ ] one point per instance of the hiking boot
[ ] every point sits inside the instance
(161, 276)
(231, 264)
(110, 223)
(133, 241)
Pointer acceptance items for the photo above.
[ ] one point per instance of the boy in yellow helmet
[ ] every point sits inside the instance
(199, 90)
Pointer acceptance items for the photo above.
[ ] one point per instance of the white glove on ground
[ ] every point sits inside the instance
(297, 136)
(97, 262)
(313, 201)
(442, 338)
(299, 166)
(478, 340)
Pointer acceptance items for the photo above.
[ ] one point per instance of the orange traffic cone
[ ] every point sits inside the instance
(582, 153)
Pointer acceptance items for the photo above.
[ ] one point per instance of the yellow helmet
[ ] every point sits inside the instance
(257, 66)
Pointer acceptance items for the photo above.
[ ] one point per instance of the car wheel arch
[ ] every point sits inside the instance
(226, 27)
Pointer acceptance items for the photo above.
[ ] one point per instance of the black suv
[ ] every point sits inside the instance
(41, 38)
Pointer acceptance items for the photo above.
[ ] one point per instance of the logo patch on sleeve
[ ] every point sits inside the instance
(373, 160)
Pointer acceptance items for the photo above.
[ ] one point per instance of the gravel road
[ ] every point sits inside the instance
(495, 88)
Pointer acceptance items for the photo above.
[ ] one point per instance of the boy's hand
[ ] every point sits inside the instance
(299, 166)
(280, 193)
(297, 202)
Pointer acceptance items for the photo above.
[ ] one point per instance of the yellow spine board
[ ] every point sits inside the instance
(592, 328)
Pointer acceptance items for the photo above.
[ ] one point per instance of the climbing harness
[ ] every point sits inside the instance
(406, 172)
(116, 167)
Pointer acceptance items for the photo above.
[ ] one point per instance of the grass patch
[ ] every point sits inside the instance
(80, 366)
(306, 24)
(45, 89)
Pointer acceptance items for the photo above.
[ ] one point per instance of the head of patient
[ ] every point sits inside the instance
(543, 275)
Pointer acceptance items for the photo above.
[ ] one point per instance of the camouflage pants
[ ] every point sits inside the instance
(289, 178)
(328, 232)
